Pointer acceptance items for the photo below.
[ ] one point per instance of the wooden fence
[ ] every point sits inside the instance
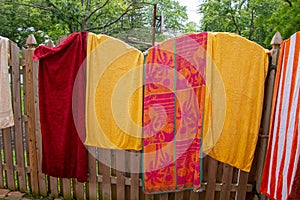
(21, 151)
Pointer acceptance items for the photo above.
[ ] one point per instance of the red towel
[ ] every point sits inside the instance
(64, 154)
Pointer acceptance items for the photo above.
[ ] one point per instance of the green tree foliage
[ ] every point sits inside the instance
(140, 35)
(191, 27)
(17, 22)
(247, 18)
(286, 19)
(51, 18)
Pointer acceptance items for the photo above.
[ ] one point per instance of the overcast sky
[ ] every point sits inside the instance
(192, 6)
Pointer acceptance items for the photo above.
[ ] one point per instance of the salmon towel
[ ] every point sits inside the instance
(235, 75)
(6, 112)
(173, 113)
(279, 178)
(64, 154)
(114, 94)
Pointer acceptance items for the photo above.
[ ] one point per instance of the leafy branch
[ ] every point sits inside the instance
(128, 9)
(30, 5)
(289, 2)
(95, 10)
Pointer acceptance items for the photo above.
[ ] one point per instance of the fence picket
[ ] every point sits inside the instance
(242, 185)
(29, 104)
(104, 170)
(38, 133)
(226, 182)
(113, 171)
(149, 197)
(211, 178)
(179, 195)
(163, 197)
(194, 196)
(120, 162)
(8, 158)
(53, 186)
(66, 188)
(17, 106)
(135, 162)
(92, 184)
(202, 195)
(78, 189)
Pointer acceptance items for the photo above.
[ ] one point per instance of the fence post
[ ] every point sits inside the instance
(264, 133)
(29, 103)
(43, 179)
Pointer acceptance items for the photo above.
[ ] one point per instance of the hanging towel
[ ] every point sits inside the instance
(236, 71)
(279, 180)
(6, 112)
(64, 154)
(173, 113)
(114, 94)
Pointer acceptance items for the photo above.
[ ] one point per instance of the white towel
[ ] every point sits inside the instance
(6, 113)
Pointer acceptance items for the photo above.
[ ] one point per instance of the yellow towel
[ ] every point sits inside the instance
(236, 71)
(6, 112)
(114, 94)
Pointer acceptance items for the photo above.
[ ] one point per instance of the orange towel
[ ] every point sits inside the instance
(114, 94)
(279, 175)
(173, 114)
(235, 74)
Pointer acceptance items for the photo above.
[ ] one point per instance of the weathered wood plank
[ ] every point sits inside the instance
(113, 170)
(179, 195)
(211, 178)
(17, 106)
(8, 158)
(194, 196)
(99, 176)
(120, 163)
(204, 168)
(190, 194)
(141, 192)
(187, 194)
(235, 175)
(163, 197)
(135, 165)
(66, 188)
(78, 189)
(149, 197)
(104, 169)
(226, 182)
(24, 110)
(38, 133)
(202, 195)
(242, 185)
(92, 184)
(30, 112)
(53, 186)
